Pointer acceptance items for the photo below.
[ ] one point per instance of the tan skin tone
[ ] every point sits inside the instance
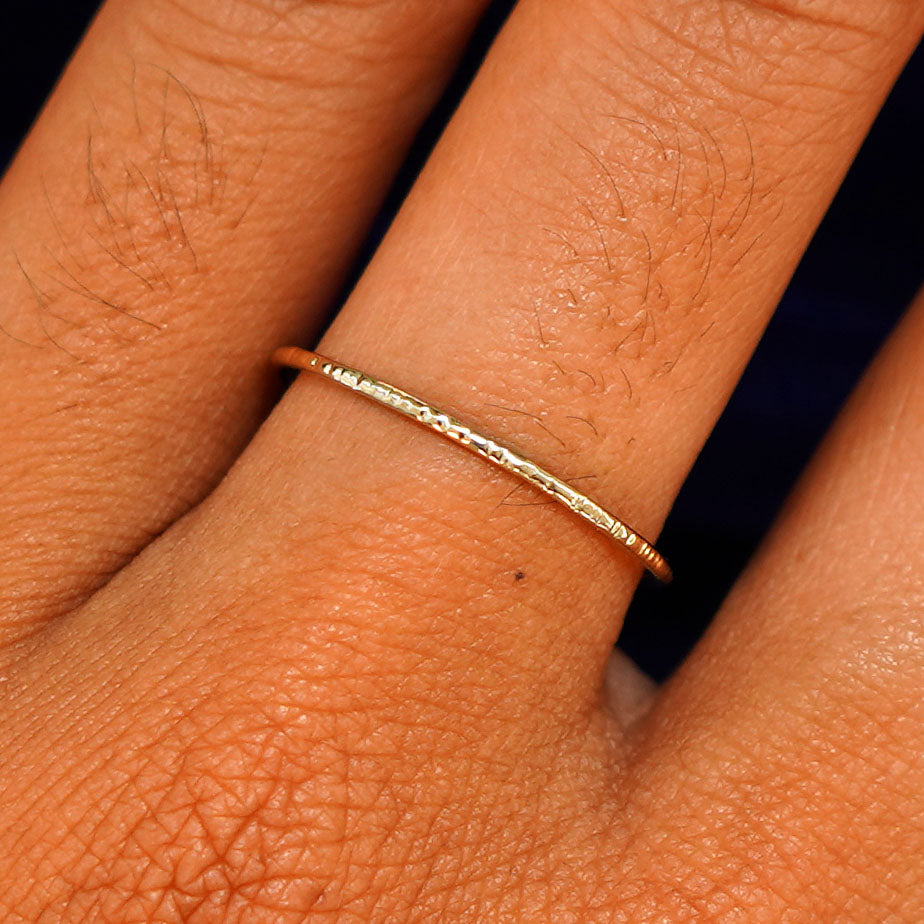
(318, 690)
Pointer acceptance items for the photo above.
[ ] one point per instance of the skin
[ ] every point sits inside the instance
(294, 675)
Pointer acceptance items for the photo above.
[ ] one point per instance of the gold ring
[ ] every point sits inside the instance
(502, 456)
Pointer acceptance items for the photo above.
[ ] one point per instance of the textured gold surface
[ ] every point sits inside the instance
(502, 456)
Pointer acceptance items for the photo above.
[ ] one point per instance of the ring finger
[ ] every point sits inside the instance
(584, 268)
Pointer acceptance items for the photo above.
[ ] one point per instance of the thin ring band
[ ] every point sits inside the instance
(504, 457)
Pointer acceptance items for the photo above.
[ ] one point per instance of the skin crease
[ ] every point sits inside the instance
(364, 679)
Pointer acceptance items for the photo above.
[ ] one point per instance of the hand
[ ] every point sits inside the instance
(366, 677)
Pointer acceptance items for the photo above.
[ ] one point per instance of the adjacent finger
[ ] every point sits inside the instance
(808, 685)
(192, 195)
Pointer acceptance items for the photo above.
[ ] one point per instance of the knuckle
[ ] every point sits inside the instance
(658, 216)
(830, 783)
(846, 15)
(134, 220)
(679, 184)
(289, 796)
(228, 815)
(145, 208)
(314, 44)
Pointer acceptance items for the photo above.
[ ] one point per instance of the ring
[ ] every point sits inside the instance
(502, 456)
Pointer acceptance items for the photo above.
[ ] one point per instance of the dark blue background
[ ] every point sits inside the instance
(859, 274)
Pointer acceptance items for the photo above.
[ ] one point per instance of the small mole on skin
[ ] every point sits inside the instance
(519, 576)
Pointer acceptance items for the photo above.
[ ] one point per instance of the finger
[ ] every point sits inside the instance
(593, 304)
(809, 683)
(193, 192)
